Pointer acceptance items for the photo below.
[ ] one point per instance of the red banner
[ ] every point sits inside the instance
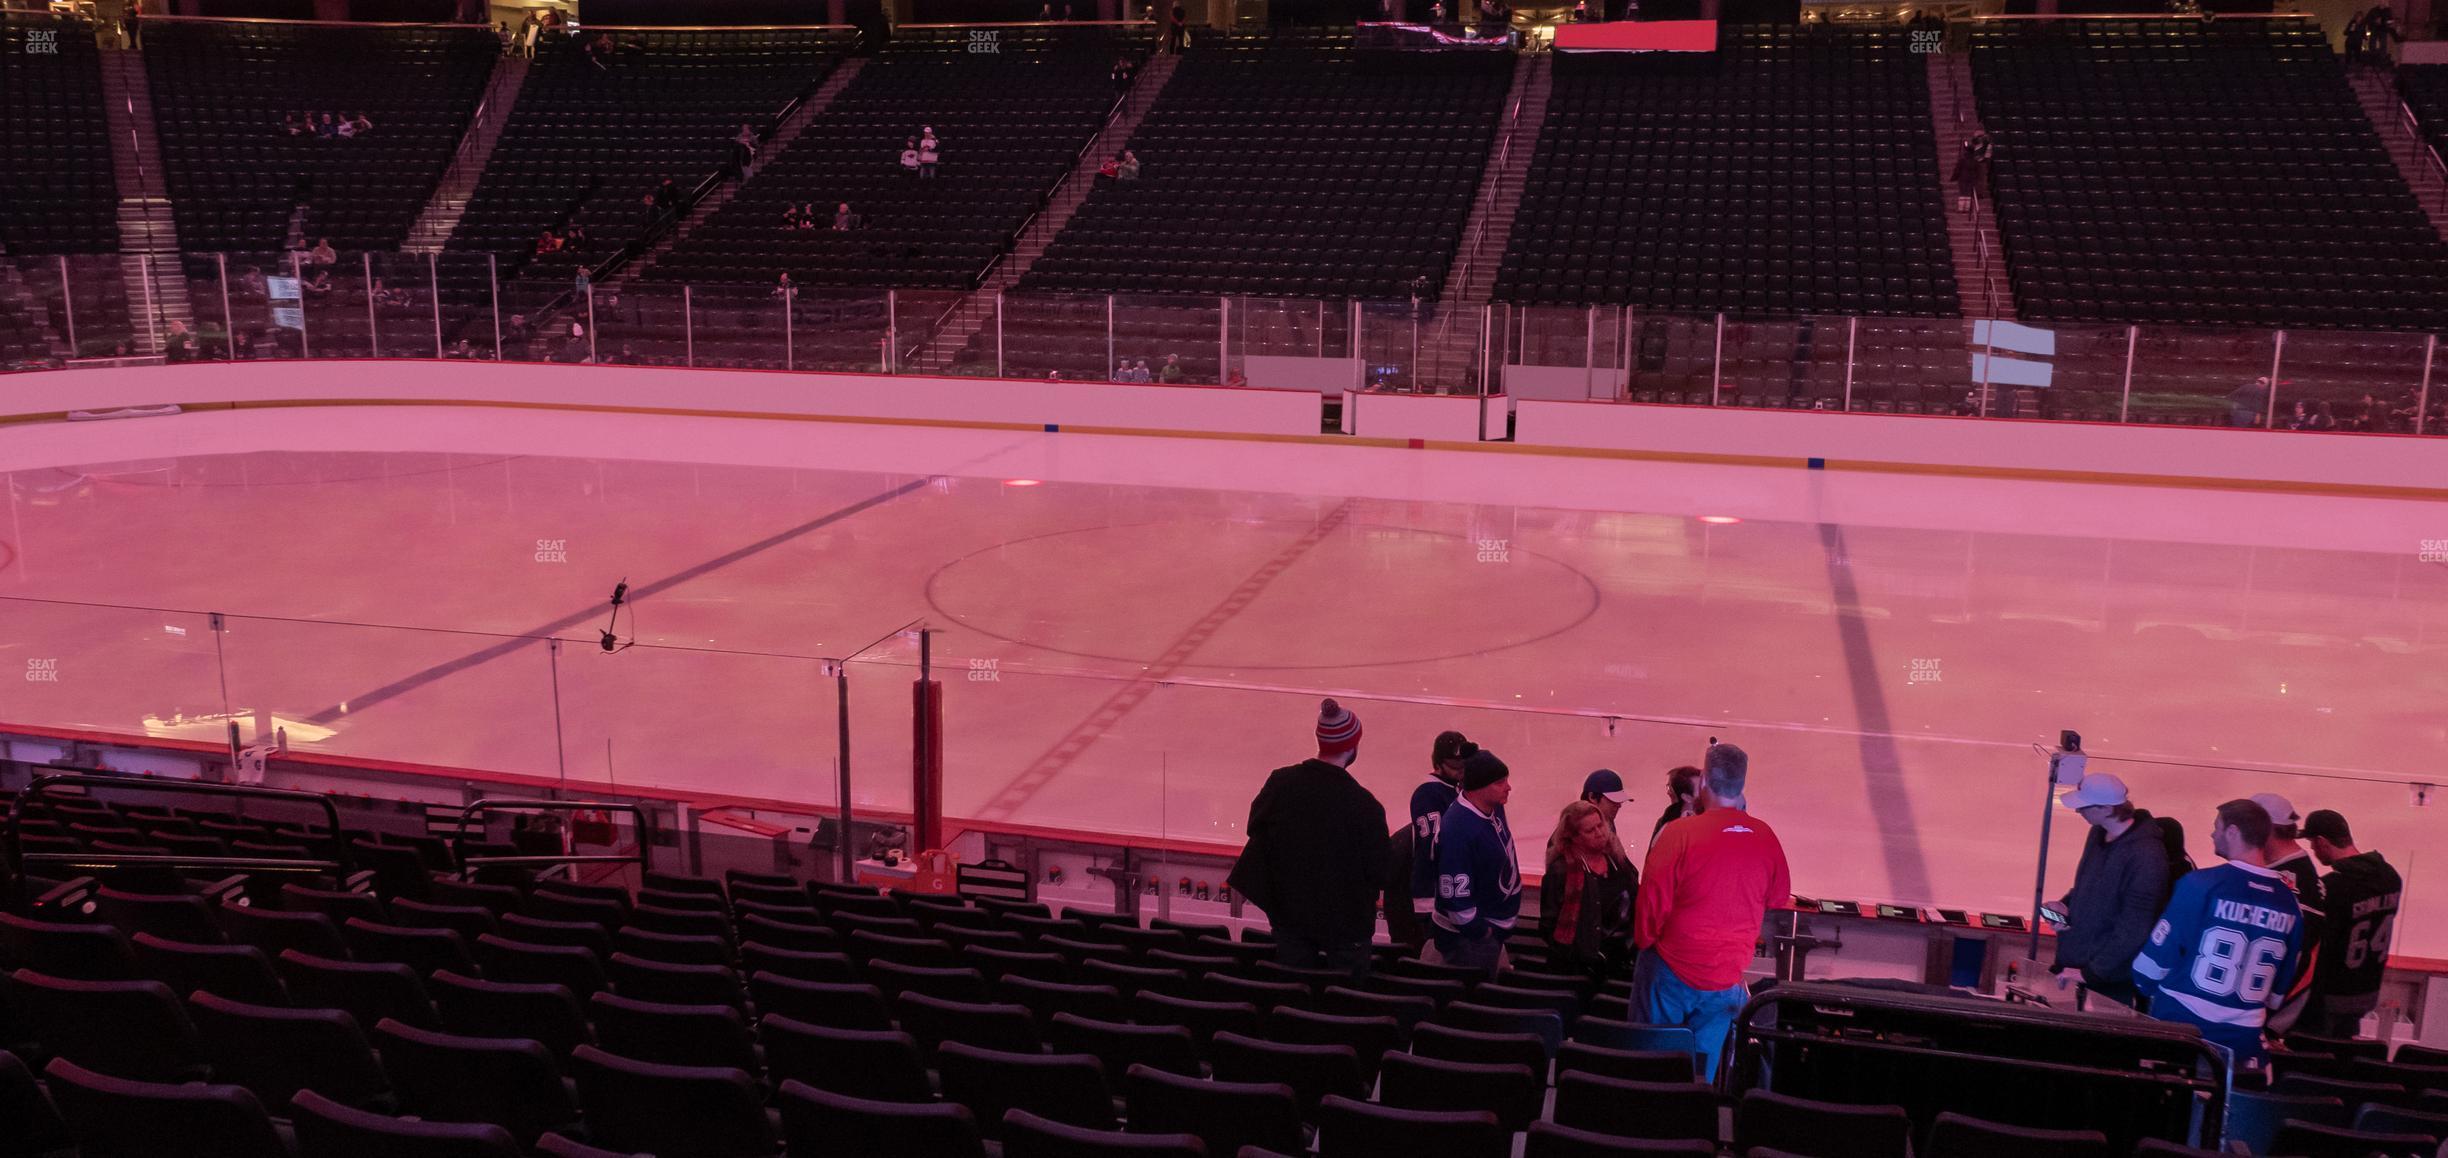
(1638, 36)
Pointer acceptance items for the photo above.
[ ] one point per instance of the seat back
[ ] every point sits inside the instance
(276, 1052)
(883, 1064)
(238, 972)
(540, 1011)
(669, 1034)
(1025, 1135)
(1204, 1019)
(1064, 1087)
(424, 950)
(2253, 1117)
(1313, 1071)
(131, 1028)
(1119, 1046)
(469, 921)
(673, 948)
(837, 1005)
(327, 1129)
(1960, 1136)
(2396, 1120)
(785, 934)
(278, 932)
(1512, 1092)
(1227, 1115)
(182, 917)
(934, 1021)
(1548, 1140)
(824, 1122)
(1542, 1023)
(1639, 1065)
(34, 1125)
(368, 991)
(1668, 1111)
(2308, 1140)
(1371, 1037)
(572, 967)
(633, 1105)
(512, 1083)
(1465, 1045)
(55, 949)
(1406, 1011)
(118, 1118)
(1044, 999)
(675, 984)
(1764, 1118)
(1354, 1129)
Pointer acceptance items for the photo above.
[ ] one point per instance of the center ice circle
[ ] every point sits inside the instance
(1360, 595)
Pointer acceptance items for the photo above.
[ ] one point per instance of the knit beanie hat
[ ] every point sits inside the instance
(1338, 730)
(1482, 769)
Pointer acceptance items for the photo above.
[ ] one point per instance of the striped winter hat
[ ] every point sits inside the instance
(1338, 730)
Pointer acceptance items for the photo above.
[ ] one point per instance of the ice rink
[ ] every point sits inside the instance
(1132, 631)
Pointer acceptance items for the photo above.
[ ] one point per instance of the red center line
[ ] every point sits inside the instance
(1041, 771)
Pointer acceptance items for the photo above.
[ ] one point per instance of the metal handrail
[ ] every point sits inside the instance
(1504, 154)
(478, 122)
(1470, 260)
(486, 804)
(2410, 126)
(668, 224)
(13, 844)
(1045, 204)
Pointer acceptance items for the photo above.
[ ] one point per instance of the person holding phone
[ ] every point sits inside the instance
(2120, 885)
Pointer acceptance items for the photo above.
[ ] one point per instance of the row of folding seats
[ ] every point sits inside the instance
(2236, 181)
(932, 992)
(220, 91)
(1010, 123)
(587, 145)
(1290, 144)
(1236, 1089)
(56, 191)
(1669, 184)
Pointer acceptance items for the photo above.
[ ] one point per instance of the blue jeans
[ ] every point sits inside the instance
(1661, 998)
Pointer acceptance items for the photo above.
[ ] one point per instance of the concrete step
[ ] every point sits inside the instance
(2406, 149)
(784, 133)
(937, 351)
(1448, 355)
(457, 184)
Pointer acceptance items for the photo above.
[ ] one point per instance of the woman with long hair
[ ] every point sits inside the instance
(1585, 904)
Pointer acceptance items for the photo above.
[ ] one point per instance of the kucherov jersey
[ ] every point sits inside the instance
(2224, 954)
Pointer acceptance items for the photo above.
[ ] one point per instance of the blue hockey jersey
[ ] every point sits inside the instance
(2223, 955)
(1478, 876)
(1428, 804)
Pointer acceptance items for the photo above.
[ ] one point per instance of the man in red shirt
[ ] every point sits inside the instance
(1707, 887)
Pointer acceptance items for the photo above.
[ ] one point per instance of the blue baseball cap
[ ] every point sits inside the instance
(1605, 783)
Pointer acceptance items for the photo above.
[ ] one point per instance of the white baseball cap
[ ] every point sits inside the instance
(2096, 788)
(2281, 812)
